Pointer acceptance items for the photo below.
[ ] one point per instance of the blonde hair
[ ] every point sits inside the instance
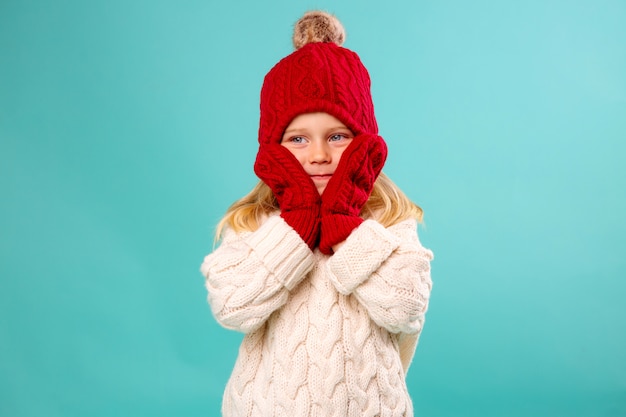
(387, 204)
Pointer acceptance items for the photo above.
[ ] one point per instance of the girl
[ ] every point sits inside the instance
(320, 265)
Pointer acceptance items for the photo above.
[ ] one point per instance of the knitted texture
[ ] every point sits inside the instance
(294, 190)
(349, 189)
(323, 335)
(318, 77)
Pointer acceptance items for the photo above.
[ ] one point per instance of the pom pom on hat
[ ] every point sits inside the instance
(318, 26)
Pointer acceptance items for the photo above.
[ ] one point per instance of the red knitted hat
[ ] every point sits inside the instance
(320, 76)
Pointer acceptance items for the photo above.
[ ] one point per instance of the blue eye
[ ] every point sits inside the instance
(337, 137)
(297, 139)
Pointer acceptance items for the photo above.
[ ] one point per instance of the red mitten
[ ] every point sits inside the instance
(294, 190)
(349, 189)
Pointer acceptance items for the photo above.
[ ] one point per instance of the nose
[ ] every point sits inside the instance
(319, 152)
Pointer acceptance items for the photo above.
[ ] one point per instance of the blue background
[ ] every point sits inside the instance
(128, 127)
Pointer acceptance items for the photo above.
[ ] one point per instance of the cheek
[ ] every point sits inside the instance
(337, 154)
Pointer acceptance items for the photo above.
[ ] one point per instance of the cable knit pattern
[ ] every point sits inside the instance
(349, 189)
(319, 77)
(259, 275)
(394, 290)
(323, 333)
(293, 188)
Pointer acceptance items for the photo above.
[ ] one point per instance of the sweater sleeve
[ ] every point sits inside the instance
(388, 271)
(250, 274)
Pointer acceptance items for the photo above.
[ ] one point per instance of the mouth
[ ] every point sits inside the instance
(320, 177)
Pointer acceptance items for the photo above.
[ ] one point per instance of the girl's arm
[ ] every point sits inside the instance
(388, 271)
(249, 276)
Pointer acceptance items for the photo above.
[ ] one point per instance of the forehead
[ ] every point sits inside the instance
(313, 120)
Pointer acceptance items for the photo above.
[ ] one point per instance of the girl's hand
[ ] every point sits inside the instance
(336, 247)
(297, 196)
(349, 189)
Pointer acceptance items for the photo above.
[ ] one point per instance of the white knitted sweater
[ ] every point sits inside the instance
(323, 334)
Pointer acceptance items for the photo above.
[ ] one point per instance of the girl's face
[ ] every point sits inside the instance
(317, 140)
